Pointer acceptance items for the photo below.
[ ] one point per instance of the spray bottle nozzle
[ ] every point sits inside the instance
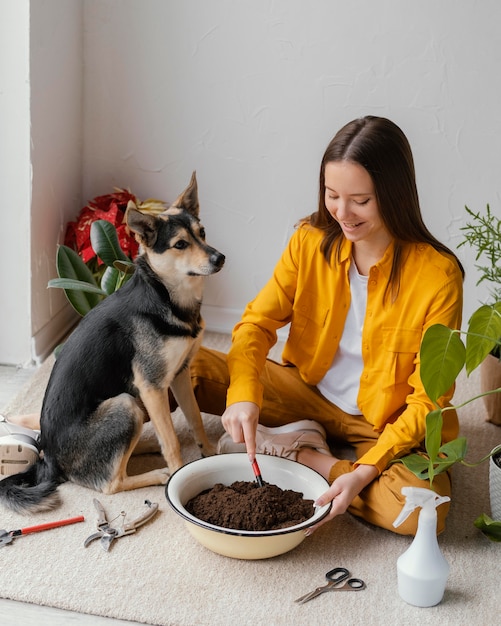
(419, 497)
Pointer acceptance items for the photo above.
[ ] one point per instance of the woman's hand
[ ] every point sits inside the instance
(343, 491)
(240, 421)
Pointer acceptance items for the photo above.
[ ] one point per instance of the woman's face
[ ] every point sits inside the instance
(350, 198)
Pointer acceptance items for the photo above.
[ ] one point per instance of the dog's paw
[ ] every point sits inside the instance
(207, 449)
(164, 475)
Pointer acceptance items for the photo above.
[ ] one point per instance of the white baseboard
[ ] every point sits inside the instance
(222, 320)
(217, 320)
(48, 337)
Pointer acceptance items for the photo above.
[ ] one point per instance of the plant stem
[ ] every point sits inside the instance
(487, 456)
(481, 395)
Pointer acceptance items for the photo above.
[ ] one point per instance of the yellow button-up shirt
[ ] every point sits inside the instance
(313, 296)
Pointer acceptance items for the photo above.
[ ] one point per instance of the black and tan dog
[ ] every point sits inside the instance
(120, 361)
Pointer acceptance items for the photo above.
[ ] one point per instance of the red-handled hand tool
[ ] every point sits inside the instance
(257, 473)
(8, 536)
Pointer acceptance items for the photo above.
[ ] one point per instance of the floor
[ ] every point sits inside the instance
(12, 379)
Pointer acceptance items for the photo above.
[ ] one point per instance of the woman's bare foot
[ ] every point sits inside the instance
(320, 462)
(29, 420)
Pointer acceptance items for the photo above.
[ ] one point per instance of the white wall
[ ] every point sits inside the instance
(56, 154)
(15, 183)
(41, 81)
(249, 93)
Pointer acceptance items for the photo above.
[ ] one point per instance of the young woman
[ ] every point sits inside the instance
(360, 281)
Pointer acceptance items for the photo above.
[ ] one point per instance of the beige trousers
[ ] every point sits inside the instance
(287, 399)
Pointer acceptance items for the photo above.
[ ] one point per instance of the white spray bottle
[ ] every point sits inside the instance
(422, 569)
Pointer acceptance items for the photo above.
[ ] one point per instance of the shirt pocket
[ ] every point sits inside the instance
(308, 321)
(401, 346)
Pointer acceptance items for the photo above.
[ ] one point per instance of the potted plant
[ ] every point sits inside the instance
(483, 233)
(443, 355)
(98, 252)
(83, 289)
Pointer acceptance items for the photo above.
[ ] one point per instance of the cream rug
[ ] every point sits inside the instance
(161, 576)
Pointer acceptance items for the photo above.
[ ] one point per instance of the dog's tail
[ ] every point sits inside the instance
(31, 491)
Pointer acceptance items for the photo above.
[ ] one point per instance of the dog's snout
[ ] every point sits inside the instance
(217, 259)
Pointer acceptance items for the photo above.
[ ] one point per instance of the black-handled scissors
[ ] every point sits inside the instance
(335, 577)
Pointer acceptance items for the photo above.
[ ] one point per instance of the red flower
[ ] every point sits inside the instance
(110, 207)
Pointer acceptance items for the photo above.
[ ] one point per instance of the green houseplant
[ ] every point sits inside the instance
(83, 289)
(98, 252)
(443, 356)
(483, 233)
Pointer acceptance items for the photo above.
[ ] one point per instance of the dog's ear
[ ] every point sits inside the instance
(188, 200)
(143, 225)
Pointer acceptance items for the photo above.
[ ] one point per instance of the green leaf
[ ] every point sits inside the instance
(57, 350)
(127, 267)
(111, 280)
(450, 453)
(426, 468)
(490, 528)
(442, 357)
(70, 283)
(484, 333)
(433, 439)
(70, 266)
(104, 240)
(418, 464)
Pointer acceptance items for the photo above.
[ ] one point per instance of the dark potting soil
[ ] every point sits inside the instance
(246, 506)
(497, 459)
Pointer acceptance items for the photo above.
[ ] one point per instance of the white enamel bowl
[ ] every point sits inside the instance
(188, 481)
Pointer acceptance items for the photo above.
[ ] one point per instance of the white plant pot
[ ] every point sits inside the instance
(495, 488)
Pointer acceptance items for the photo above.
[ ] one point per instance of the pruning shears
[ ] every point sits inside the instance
(107, 534)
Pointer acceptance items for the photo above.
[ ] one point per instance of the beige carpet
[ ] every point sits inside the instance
(160, 576)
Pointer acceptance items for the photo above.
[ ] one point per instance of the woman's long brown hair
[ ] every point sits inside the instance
(379, 145)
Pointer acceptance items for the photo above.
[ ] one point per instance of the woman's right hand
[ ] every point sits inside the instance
(240, 421)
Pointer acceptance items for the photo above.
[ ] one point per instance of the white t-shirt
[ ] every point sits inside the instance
(341, 382)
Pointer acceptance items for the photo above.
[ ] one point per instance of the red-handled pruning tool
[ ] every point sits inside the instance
(8, 536)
